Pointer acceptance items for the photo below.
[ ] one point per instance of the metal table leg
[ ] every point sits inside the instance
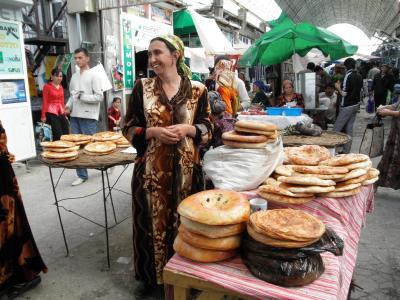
(58, 210)
(105, 216)
(110, 194)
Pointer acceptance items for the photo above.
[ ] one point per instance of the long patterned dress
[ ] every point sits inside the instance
(389, 166)
(163, 174)
(20, 260)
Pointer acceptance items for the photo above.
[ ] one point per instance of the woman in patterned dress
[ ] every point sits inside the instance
(389, 165)
(167, 118)
(20, 260)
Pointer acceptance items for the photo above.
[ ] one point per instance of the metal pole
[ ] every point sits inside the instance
(109, 192)
(58, 210)
(105, 217)
(78, 24)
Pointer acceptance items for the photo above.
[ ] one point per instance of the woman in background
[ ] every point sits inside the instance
(53, 112)
(114, 114)
(260, 97)
(289, 97)
(20, 260)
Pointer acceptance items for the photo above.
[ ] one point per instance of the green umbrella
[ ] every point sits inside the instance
(286, 38)
(183, 22)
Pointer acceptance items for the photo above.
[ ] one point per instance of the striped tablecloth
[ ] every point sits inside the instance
(345, 215)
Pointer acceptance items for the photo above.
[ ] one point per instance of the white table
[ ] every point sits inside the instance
(281, 121)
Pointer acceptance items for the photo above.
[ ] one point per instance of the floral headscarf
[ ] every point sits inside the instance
(179, 46)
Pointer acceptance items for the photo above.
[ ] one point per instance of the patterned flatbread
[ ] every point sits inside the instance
(334, 177)
(366, 164)
(77, 137)
(57, 144)
(58, 155)
(305, 180)
(284, 170)
(276, 189)
(282, 199)
(353, 174)
(354, 180)
(307, 189)
(346, 187)
(309, 155)
(106, 136)
(74, 148)
(342, 194)
(323, 170)
(372, 173)
(100, 147)
(370, 181)
(288, 224)
(345, 159)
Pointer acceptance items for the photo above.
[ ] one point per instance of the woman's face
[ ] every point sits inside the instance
(57, 78)
(255, 88)
(161, 60)
(288, 89)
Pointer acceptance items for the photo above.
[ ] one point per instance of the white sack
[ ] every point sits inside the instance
(241, 169)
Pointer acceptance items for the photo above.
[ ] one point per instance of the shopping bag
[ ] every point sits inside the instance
(43, 132)
(241, 169)
(373, 138)
(370, 107)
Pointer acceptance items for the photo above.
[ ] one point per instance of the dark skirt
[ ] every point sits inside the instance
(389, 166)
(20, 260)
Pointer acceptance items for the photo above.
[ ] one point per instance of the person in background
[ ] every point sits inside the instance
(167, 119)
(396, 75)
(373, 71)
(20, 259)
(350, 92)
(323, 79)
(53, 112)
(289, 98)
(84, 102)
(260, 97)
(389, 165)
(381, 85)
(246, 82)
(327, 100)
(114, 114)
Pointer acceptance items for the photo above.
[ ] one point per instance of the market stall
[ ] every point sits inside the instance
(272, 230)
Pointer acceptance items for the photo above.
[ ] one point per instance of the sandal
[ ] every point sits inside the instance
(20, 288)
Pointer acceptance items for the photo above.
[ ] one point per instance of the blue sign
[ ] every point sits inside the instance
(12, 91)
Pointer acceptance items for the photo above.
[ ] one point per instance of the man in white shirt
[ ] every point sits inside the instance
(84, 102)
(328, 99)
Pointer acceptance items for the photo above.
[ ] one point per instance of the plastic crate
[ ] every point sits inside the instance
(274, 111)
(292, 111)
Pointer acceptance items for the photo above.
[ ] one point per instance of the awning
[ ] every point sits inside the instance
(183, 23)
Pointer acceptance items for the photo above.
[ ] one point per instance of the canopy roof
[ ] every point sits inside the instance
(369, 15)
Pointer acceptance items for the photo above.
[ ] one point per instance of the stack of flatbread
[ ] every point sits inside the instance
(78, 139)
(106, 136)
(285, 228)
(122, 142)
(100, 148)
(359, 173)
(212, 223)
(250, 135)
(59, 151)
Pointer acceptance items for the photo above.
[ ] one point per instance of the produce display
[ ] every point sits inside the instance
(250, 135)
(212, 223)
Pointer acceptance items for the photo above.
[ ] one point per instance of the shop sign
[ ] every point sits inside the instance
(129, 74)
(10, 50)
(12, 91)
(161, 15)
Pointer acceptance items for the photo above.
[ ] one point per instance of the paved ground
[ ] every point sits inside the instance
(83, 274)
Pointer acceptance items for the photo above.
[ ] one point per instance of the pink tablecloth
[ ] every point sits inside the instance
(345, 215)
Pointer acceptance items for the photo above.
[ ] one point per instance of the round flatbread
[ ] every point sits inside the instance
(307, 189)
(309, 155)
(346, 187)
(372, 173)
(256, 125)
(59, 155)
(243, 138)
(305, 180)
(254, 131)
(100, 147)
(342, 194)
(61, 160)
(57, 144)
(213, 231)
(74, 148)
(321, 176)
(288, 224)
(244, 145)
(98, 153)
(200, 241)
(370, 181)
(76, 137)
(201, 255)
(276, 189)
(366, 164)
(353, 174)
(266, 240)
(106, 136)
(354, 180)
(321, 170)
(284, 170)
(345, 159)
(282, 199)
(83, 142)
(216, 207)
(271, 181)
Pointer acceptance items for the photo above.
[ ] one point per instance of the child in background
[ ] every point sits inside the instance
(114, 114)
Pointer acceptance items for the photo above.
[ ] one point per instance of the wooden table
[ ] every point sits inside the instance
(329, 139)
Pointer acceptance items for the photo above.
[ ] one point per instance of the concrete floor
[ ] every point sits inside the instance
(83, 274)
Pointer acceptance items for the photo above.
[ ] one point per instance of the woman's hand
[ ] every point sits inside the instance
(384, 112)
(182, 130)
(163, 134)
